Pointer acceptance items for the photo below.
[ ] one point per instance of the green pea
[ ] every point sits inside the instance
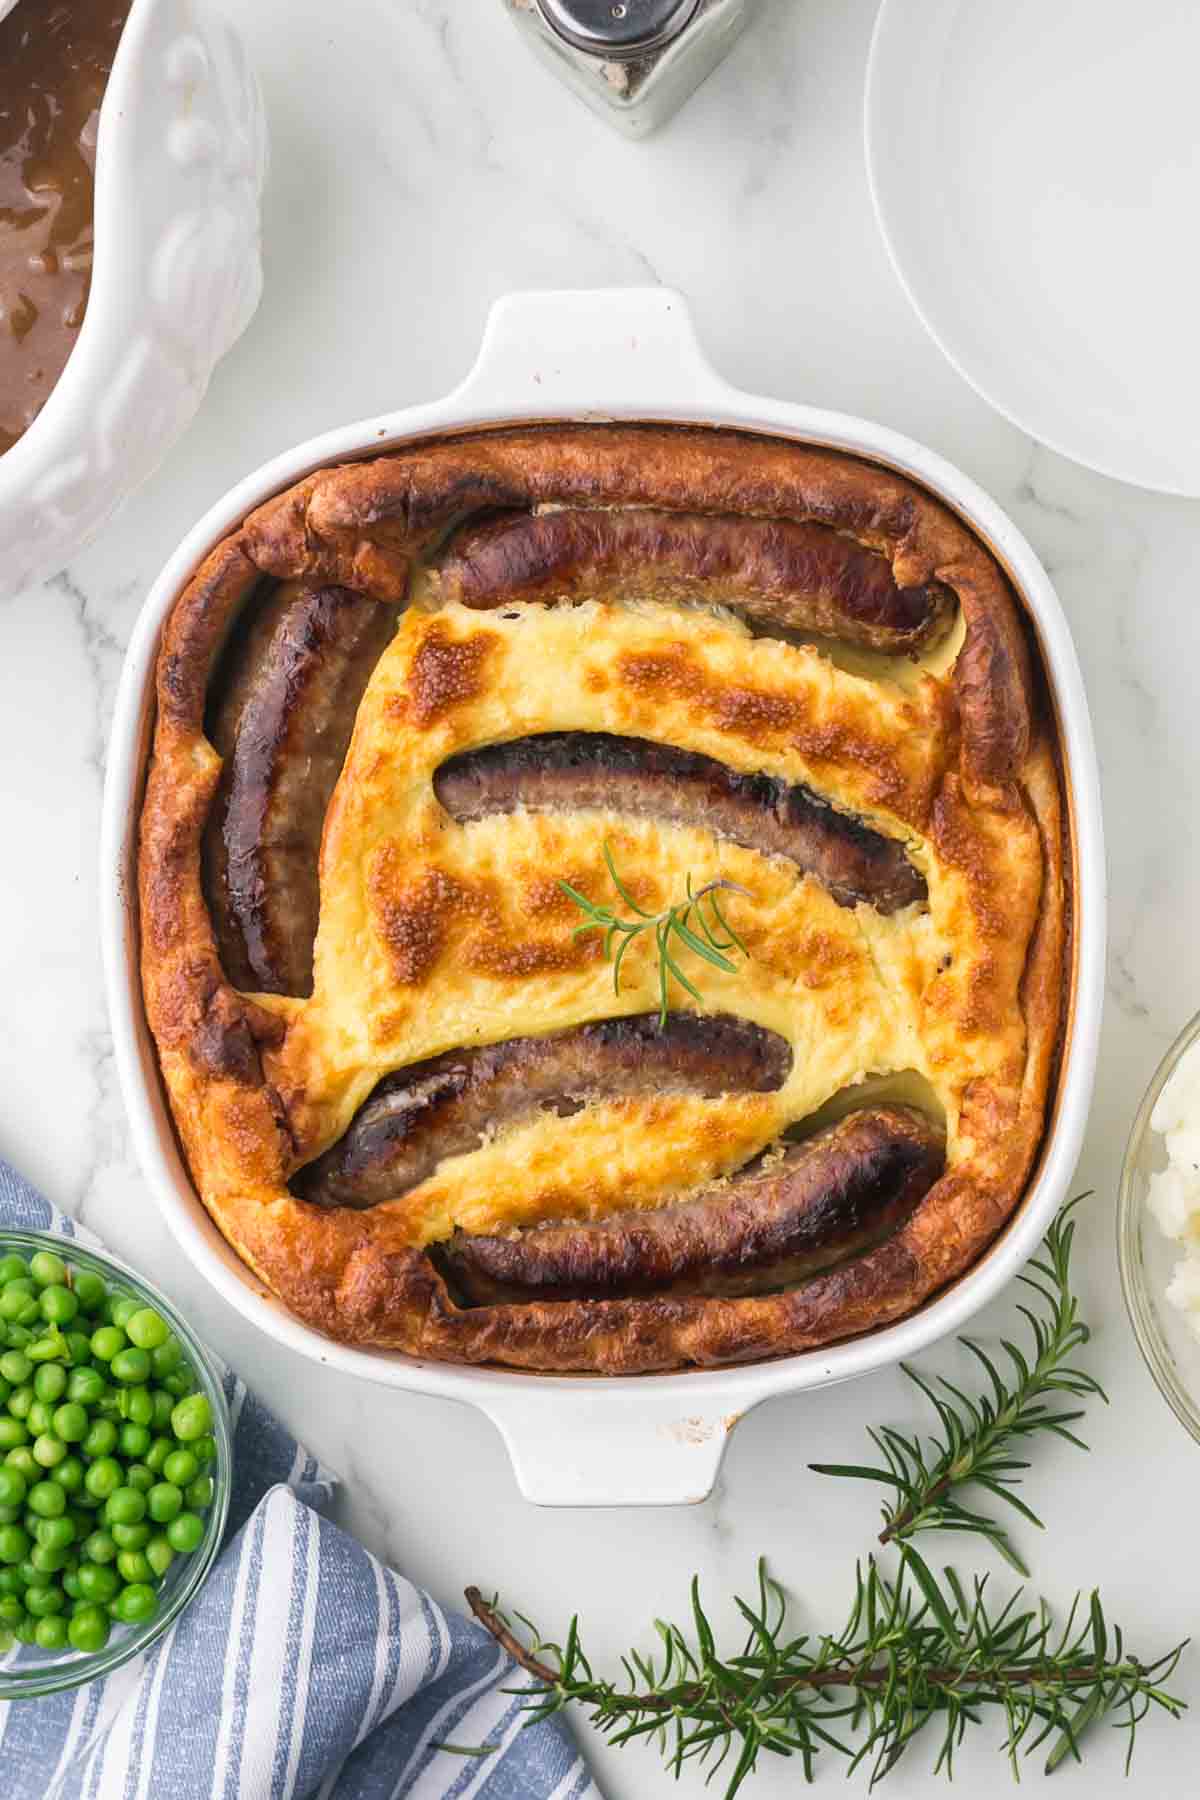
(18, 1307)
(107, 1341)
(13, 1487)
(69, 1474)
(124, 1506)
(139, 1406)
(147, 1329)
(41, 1601)
(205, 1450)
(47, 1269)
(104, 1477)
(159, 1555)
(98, 1582)
(11, 1608)
(21, 1457)
(40, 1417)
(191, 1418)
(131, 1537)
(20, 1401)
(55, 1534)
(158, 1453)
(59, 1305)
(100, 1547)
(51, 1633)
(18, 1337)
(48, 1561)
(50, 1383)
(164, 1502)
(165, 1358)
(134, 1441)
(186, 1532)
(12, 1433)
(79, 1347)
(71, 1422)
(181, 1467)
(136, 1603)
(12, 1268)
(47, 1500)
(122, 1308)
(101, 1439)
(89, 1628)
(32, 1576)
(70, 1583)
(90, 1290)
(179, 1383)
(130, 1366)
(164, 1406)
(25, 1629)
(86, 1385)
(49, 1450)
(137, 1475)
(132, 1566)
(199, 1493)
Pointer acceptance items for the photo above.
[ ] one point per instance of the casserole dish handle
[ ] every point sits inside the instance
(576, 1443)
(559, 353)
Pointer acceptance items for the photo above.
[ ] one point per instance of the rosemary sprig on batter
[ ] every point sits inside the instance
(918, 1651)
(687, 921)
(979, 1435)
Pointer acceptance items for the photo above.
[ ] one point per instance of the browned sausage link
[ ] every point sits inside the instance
(569, 771)
(281, 715)
(779, 572)
(826, 1200)
(447, 1106)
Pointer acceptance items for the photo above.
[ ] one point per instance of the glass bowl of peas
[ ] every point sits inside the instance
(115, 1459)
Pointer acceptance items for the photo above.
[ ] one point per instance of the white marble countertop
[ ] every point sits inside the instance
(422, 165)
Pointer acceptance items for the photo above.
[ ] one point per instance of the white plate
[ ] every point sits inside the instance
(1035, 167)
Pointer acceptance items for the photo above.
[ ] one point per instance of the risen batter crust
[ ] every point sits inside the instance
(435, 935)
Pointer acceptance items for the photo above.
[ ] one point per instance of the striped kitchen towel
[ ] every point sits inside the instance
(302, 1668)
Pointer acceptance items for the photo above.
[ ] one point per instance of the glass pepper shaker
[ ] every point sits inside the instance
(634, 62)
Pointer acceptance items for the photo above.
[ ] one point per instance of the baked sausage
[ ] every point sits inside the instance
(826, 1199)
(447, 1105)
(281, 716)
(780, 573)
(570, 771)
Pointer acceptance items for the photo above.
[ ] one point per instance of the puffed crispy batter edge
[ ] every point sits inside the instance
(348, 1274)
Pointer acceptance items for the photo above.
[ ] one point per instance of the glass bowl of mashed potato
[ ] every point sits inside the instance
(1158, 1227)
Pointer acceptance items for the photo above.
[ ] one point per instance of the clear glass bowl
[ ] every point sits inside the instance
(26, 1671)
(1147, 1258)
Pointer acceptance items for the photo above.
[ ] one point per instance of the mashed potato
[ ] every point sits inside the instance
(1173, 1195)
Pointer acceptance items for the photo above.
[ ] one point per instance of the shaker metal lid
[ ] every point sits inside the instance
(617, 28)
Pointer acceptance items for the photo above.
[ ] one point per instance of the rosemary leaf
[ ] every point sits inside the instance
(979, 1433)
(687, 921)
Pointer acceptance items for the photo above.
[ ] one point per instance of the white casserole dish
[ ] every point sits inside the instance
(600, 1441)
(180, 159)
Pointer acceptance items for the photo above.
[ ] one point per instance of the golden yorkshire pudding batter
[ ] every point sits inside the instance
(410, 697)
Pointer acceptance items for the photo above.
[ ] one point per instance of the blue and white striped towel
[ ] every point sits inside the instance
(303, 1668)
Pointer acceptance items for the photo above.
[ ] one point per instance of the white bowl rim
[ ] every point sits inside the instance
(572, 342)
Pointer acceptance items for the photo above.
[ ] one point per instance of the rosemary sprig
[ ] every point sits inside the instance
(917, 1652)
(685, 921)
(978, 1435)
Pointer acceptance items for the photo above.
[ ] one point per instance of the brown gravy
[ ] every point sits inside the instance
(55, 59)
